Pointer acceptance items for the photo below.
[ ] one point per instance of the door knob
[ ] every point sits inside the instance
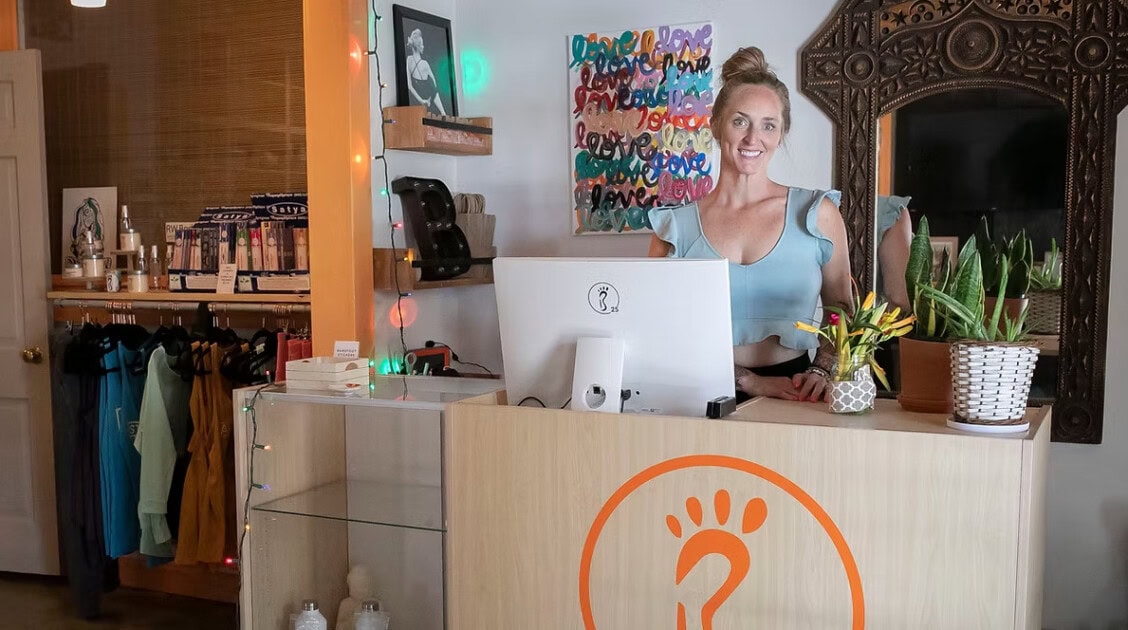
(33, 355)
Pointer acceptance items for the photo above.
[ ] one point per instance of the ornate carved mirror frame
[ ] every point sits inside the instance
(873, 56)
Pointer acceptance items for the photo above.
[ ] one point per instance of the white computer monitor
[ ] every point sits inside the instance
(672, 315)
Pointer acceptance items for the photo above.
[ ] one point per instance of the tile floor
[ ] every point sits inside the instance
(39, 603)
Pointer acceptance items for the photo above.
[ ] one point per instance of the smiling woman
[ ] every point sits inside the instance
(786, 246)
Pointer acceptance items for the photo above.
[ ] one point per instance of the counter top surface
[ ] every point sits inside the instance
(887, 415)
(397, 392)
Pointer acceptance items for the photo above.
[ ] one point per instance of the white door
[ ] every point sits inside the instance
(28, 538)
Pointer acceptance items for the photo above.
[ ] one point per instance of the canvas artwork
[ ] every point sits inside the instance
(93, 209)
(425, 72)
(640, 102)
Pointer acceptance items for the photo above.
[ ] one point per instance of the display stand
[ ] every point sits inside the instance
(347, 480)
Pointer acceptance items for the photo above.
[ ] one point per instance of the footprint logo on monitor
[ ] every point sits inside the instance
(603, 298)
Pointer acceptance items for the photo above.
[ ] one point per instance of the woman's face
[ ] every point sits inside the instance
(751, 129)
(417, 41)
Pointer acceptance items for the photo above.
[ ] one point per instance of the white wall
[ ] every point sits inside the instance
(465, 318)
(526, 181)
(1087, 545)
(526, 184)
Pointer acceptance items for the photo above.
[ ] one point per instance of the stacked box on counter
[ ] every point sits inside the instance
(268, 241)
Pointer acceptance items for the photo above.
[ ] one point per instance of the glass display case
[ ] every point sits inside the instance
(337, 481)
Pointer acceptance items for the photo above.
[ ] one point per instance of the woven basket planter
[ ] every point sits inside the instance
(991, 381)
(1045, 312)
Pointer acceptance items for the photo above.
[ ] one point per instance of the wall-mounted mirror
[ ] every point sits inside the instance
(974, 162)
(1000, 112)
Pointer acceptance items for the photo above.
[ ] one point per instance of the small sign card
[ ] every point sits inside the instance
(227, 273)
(346, 349)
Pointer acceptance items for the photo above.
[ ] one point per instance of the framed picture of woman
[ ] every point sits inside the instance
(424, 61)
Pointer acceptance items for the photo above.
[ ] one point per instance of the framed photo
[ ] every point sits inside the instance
(940, 244)
(93, 209)
(425, 70)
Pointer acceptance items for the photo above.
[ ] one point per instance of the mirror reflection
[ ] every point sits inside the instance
(988, 163)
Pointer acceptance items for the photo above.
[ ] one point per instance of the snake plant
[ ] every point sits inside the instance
(1017, 253)
(968, 323)
(1047, 277)
(961, 284)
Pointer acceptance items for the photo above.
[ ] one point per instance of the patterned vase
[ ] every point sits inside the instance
(854, 394)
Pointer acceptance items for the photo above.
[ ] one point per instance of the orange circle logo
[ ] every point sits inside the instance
(707, 542)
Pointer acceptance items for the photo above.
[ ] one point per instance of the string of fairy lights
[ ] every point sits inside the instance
(387, 194)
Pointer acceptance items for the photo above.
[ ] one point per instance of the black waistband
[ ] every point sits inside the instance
(787, 368)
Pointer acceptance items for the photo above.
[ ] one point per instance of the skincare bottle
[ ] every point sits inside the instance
(93, 266)
(139, 276)
(129, 238)
(93, 263)
(156, 274)
(370, 617)
(310, 617)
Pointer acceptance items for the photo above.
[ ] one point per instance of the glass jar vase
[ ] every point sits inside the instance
(852, 390)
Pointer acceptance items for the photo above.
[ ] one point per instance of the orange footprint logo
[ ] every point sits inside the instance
(702, 543)
(706, 542)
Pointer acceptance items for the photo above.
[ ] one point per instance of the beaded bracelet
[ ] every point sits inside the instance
(814, 369)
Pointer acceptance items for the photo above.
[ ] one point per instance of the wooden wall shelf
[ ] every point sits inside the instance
(382, 261)
(413, 129)
(168, 296)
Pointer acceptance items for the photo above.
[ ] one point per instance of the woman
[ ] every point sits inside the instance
(894, 235)
(786, 246)
(420, 79)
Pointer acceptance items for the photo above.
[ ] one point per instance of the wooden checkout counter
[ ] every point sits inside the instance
(780, 516)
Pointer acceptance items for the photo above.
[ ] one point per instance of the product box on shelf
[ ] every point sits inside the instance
(327, 374)
(268, 241)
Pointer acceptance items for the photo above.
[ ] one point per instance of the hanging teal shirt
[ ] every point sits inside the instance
(783, 287)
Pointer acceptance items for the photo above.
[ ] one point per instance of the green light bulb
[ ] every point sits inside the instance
(475, 72)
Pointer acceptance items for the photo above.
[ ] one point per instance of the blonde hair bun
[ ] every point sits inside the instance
(746, 65)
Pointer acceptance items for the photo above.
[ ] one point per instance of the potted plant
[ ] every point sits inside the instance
(1018, 254)
(855, 336)
(1045, 295)
(991, 366)
(926, 384)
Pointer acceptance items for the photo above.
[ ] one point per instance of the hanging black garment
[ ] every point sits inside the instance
(74, 391)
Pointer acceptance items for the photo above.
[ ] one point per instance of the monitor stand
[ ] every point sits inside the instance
(598, 372)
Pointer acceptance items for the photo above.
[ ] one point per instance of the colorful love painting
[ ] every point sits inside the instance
(640, 137)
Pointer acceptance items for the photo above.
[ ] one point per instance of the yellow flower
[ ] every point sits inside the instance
(904, 322)
(806, 327)
(869, 300)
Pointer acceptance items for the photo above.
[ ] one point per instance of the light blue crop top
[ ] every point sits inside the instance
(771, 294)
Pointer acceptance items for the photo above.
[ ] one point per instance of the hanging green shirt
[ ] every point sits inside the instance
(161, 435)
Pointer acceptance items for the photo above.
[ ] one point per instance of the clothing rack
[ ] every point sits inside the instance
(234, 307)
(205, 580)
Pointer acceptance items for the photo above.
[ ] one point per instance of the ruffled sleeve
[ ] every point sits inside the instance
(826, 246)
(889, 208)
(665, 227)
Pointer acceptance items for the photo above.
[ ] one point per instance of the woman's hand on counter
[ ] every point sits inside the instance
(770, 386)
(811, 387)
